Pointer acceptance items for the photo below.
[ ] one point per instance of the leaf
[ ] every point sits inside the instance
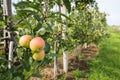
(68, 5)
(26, 10)
(21, 4)
(37, 17)
(37, 75)
(3, 59)
(39, 25)
(17, 78)
(25, 65)
(47, 47)
(62, 15)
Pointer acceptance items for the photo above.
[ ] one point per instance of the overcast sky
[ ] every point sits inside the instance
(110, 7)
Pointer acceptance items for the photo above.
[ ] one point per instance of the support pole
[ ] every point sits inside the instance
(64, 30)
(8, 44)
(55, 61)
(10, 56)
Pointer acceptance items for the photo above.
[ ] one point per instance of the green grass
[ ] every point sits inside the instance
(107, 65)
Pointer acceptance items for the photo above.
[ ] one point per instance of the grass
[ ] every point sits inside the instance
(77, 73)
(107, 65)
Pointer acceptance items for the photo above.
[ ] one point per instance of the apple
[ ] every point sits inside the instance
(25, 40)
(37, 44)
(39, 56)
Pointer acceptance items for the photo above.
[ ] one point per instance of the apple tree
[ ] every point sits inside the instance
(80, 23)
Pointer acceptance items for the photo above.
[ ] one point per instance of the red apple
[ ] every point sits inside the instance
(37, 44)
(25, 40)
(39, 56)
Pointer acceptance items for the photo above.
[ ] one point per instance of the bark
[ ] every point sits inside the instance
(7, 10)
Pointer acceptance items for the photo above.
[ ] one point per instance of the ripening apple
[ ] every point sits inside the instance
(37, 44)
(25, 40)
(39, 56)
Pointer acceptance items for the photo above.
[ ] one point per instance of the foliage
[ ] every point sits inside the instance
(77, 73)
(89, 25)
(37, 18)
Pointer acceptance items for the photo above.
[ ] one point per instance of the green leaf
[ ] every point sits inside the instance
(37, 17)
(68, 5)
(39, 25)
(21, 4)
(47, 47)
(62, 15)
(26, 65)
(17, 78)
(37, 75)
(58, 2)
(3, 59)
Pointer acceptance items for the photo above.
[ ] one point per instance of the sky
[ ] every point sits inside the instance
(110, 7)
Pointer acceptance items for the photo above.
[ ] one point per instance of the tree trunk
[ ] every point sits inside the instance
(7, 10)
(65, 53)
(45, 9)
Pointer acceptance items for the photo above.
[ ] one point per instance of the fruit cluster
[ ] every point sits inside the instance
(36, 45)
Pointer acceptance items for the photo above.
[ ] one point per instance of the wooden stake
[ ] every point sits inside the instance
(7, 12)
(55, 61)
(65, 53)
(10, 56)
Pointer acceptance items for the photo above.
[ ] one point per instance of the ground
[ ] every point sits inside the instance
(74, 64)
